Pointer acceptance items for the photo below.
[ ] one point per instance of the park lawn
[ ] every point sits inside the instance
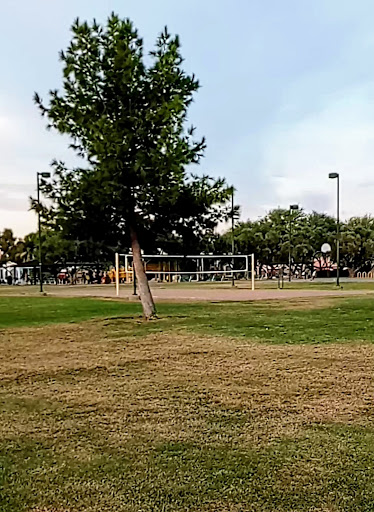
(37, 311)
(318, 320)
(209, 408)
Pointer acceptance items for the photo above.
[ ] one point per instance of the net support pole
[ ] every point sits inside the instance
(253, 271)
(117, 274)
(126, 269)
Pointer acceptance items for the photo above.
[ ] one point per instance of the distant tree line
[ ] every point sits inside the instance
(268, 238)
(271, 237)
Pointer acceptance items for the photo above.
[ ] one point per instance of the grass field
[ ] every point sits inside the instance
(262, 406)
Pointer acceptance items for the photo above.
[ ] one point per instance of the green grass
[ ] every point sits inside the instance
(329, 468)
(38, 311)
(115, 416)
(340, 320)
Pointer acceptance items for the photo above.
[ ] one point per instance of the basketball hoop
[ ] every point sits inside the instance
(326, 248)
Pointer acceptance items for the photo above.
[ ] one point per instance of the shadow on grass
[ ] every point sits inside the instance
(329, 468)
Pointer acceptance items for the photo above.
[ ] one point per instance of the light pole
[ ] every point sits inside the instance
(38, 175)
(292, 208)
(232, 236)
(333, 176)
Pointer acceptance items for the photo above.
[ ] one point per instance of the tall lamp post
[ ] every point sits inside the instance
(333, 176)
(38, 176)
(232, 236)
(293, 207)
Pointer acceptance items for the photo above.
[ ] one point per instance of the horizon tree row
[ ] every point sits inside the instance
(268, 238)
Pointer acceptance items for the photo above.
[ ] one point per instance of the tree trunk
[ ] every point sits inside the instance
(149, 309)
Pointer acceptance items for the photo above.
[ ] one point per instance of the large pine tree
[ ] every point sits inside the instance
(128, 121)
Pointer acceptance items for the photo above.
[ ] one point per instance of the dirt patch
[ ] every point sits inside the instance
(187, 292)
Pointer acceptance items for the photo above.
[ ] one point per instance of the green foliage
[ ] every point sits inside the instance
(56, 250)
(11, 249)
(269, 238)
(357, 243)
(127, 121)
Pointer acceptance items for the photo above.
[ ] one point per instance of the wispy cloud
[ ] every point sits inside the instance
(338, 138)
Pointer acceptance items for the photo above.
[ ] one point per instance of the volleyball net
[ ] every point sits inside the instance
(189, 268)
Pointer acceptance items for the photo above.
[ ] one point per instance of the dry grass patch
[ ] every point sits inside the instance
(306, 303)
(97, 419)
(178, 387)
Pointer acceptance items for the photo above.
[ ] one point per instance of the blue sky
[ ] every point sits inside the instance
(287, 95)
